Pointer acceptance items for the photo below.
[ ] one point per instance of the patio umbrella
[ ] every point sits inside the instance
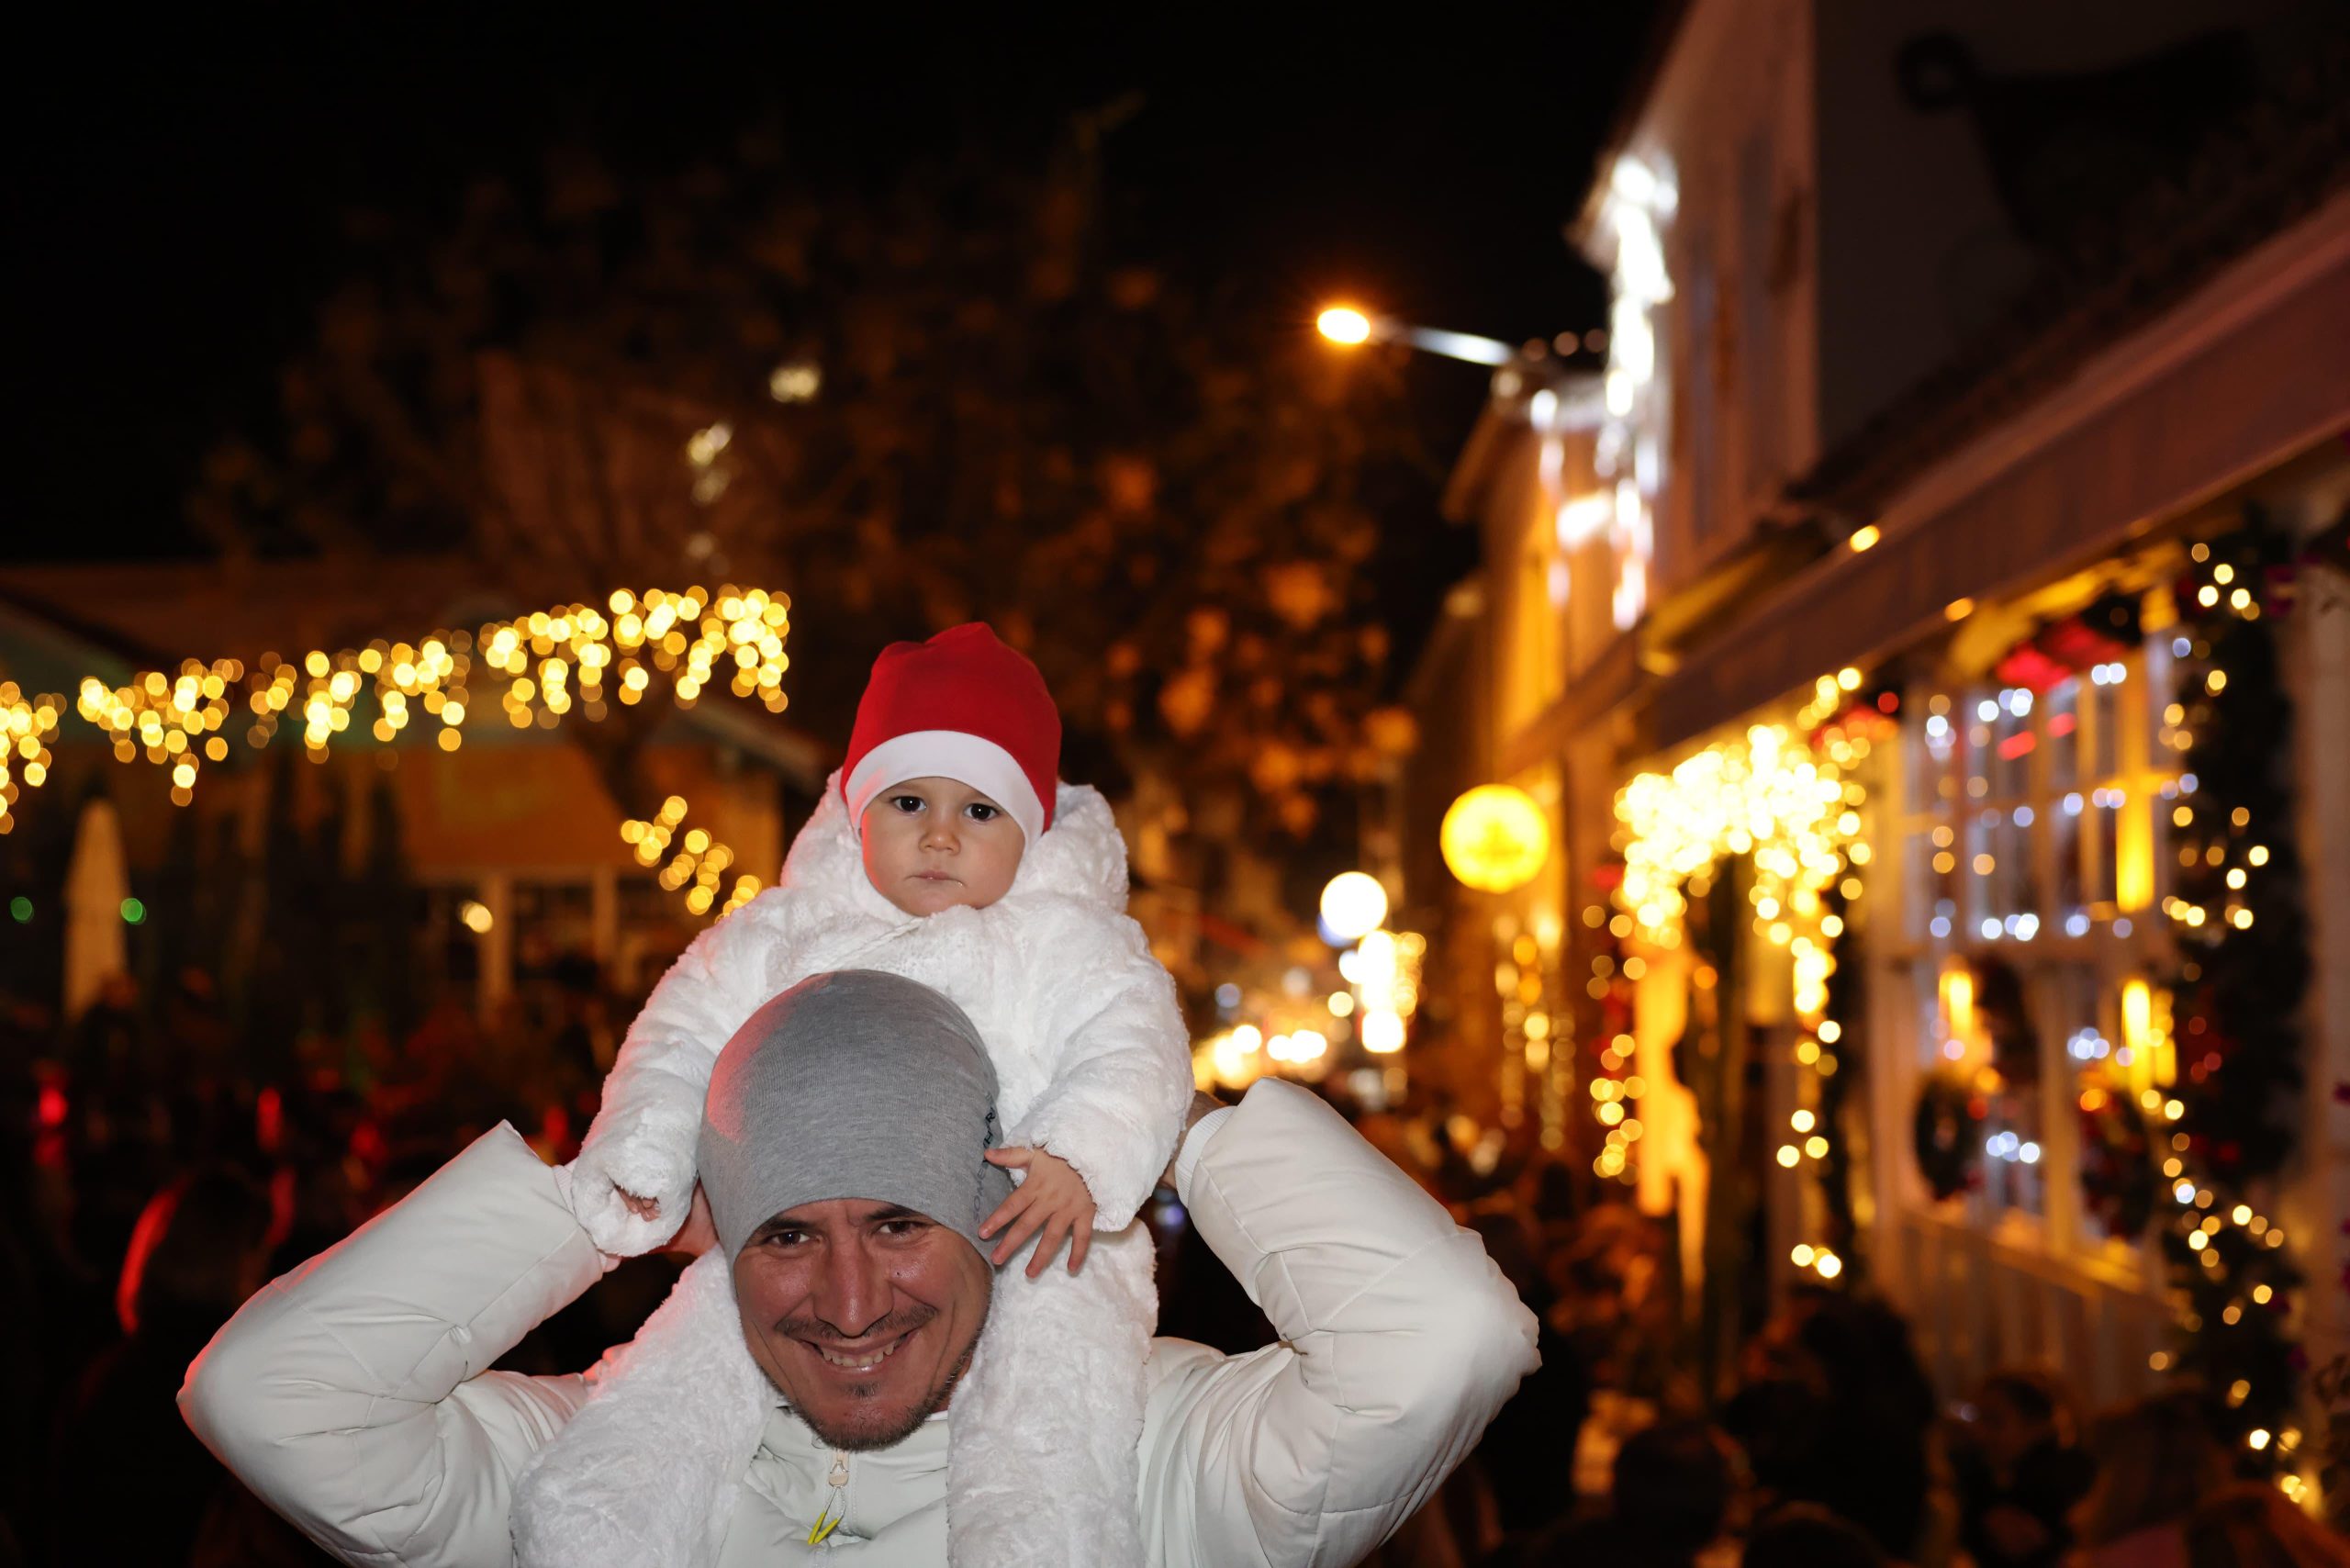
(96, 883)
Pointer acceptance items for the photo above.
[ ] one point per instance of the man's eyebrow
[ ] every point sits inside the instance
(882, 1214)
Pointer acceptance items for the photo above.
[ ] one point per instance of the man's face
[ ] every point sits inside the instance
(932, 843)
(862, 1314)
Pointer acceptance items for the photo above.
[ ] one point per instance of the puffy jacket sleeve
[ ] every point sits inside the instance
(642, 1140)
(1399, 1339)
(353, 1395)
(1122, 1063)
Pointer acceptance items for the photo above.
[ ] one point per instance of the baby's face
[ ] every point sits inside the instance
(932, 843)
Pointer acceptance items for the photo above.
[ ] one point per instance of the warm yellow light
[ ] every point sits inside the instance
(1381, 1032)
(1353, 904)
(1829, 1265)
(1344, 324)
(1958, 1004)
(1865, 538)
(476, 917)
(1958, 610)
(1494, 838)
(2138, 1025)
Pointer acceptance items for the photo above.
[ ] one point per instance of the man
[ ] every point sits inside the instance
(354, 1394)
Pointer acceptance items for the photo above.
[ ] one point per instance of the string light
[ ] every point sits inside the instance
(1765, 795)
(27, 726)
(574, 659)
(699, 866)
(2220, 1244)
(1796, 815)
(1631, 451)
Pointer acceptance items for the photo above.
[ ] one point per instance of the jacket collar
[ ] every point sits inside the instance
(898, 1492)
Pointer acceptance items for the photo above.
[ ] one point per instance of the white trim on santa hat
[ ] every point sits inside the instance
(967, 758)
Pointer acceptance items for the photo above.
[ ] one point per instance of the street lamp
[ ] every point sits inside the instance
(1346, 325)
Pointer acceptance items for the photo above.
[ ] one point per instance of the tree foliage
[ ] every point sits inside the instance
(590, 378)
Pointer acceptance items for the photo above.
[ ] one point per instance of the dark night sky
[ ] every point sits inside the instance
(178, 181)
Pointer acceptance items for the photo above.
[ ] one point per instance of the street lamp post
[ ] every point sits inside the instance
(1345, 324)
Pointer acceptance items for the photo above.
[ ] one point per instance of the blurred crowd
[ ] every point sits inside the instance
(157, 1181)
(158, 1177)
(1825, 1445)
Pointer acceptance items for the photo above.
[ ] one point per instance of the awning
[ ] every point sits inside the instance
(2246, 373)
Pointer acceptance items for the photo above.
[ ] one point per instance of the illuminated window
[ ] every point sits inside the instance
(2031, 872)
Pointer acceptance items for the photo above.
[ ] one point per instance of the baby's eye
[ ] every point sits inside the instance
(909, 804)
(980, 812)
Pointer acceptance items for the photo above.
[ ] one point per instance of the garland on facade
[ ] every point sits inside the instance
(2118, 1184)
(2237, 993)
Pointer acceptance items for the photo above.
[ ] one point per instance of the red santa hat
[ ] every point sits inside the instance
(961, 706)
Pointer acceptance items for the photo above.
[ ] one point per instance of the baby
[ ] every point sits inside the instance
(945, 851)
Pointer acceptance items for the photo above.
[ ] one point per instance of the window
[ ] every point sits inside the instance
(2028, 875)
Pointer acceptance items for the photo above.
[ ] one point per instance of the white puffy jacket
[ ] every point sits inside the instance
(354, 1394)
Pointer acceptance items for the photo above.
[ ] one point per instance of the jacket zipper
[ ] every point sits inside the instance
(835, 1507)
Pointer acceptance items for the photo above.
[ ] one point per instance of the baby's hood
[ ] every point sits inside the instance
(1081, 856)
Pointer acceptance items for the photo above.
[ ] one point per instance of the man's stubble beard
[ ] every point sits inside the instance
(851, 1442)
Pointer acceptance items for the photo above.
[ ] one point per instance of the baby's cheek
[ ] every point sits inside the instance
(1005, 874)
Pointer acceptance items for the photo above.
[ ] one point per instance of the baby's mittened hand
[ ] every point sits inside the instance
(1052, 1198)
(628, 1197)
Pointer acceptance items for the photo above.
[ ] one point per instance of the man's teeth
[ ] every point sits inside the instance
(865, 1361)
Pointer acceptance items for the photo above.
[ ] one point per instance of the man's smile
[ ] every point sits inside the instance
(861, 1359)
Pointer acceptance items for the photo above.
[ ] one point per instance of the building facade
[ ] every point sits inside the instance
(506, 853)
(1926, 633)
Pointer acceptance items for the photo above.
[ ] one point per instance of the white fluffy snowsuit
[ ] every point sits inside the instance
(1093, 1065)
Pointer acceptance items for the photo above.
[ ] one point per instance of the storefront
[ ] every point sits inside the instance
(1955, 798)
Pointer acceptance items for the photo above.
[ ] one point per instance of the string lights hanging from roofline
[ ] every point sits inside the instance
(575, 659)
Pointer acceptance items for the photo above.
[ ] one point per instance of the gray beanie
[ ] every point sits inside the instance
(854, 1084)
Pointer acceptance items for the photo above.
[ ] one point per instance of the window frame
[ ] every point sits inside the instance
(2095, 949)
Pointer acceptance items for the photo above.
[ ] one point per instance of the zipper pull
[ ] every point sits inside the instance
(835, 1507)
